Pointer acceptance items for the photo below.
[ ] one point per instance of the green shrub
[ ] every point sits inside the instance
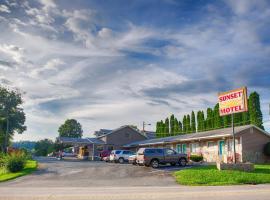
(196, 158)
(15, 162)
(2, 159)
(266, 149)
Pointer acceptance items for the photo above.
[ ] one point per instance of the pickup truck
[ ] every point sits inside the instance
(155, 156)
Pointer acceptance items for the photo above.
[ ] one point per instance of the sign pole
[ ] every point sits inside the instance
(234, 151)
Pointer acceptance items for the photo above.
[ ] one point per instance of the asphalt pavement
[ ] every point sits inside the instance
(81, 180)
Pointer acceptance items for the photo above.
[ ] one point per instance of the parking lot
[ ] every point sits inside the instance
(77, 173)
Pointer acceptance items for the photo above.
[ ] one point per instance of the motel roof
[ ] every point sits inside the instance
(68, 140)
(225, 132)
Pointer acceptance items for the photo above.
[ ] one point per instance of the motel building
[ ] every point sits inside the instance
(216, 145)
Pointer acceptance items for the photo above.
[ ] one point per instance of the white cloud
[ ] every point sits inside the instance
(13, 52)
(4, 8)
(70, 63)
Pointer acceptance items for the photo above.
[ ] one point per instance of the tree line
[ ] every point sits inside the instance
(211, 120)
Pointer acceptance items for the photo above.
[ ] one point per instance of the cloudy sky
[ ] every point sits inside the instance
(111, 63)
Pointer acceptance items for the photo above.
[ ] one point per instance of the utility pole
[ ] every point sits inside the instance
(144, 124)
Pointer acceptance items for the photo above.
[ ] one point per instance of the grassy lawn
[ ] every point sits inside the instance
(30, 166)
(209, 175)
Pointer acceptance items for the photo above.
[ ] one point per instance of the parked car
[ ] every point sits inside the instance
(132, 159)
(120, 155)
(104, 155)
(155, 156)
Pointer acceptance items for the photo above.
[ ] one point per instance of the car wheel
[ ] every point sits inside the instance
(154, 164)
(182, 162)
(121, 160)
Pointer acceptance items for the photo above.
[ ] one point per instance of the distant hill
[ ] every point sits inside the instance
(29, 145)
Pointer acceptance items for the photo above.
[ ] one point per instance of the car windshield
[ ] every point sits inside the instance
(117, 152)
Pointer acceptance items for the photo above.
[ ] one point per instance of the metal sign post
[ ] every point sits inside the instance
(234, 151)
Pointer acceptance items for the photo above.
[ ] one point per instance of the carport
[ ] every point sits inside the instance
(85, 147)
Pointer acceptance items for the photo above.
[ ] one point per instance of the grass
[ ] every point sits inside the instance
(31, 165)
(209, 175)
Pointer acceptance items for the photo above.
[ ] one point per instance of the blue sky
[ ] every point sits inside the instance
(111, 63)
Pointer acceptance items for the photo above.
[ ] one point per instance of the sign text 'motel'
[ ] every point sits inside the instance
(233, 101)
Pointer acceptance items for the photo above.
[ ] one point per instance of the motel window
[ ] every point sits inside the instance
(179, 148)
(211, 144)
(100, 148)
(110, 148)
(194, 148)
(184, 148)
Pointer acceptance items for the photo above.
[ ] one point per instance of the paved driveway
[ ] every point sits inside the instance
(60, 180)
(72, 173)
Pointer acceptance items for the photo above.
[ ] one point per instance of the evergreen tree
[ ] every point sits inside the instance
(180, 127)
(176, 126)
(237, 118)
(172, 125)
(162, 129)
(193, 122)
(188, 127)
(185, 124)
(245, 117)
(199, 121)
(217, 119)
(167, 127)
(255, 112)
(209, 119)
(158, 129)
(227, 121)
(203, 121)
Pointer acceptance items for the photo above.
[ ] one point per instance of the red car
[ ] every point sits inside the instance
(104, 155)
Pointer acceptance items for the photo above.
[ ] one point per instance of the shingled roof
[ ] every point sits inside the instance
(68, 140)
(194, 136)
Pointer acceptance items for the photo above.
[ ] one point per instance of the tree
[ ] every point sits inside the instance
(255, 112)
(172, 125)
(180, 127)
(158, 129)
(176, 126)
(203, 121)
(200, 121)
(161, 128)
(199, 126)
(188, 127)
(209, 119)
(217, 119)
(71, 128)
(44, 147)
(12, 116)
(167, 127)
(193, 122)
(245, 118)
(185, 124)
(227, 121)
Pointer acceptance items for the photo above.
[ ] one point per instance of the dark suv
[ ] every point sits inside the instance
(155, 156)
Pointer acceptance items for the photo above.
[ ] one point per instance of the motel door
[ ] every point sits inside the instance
(221, 147)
